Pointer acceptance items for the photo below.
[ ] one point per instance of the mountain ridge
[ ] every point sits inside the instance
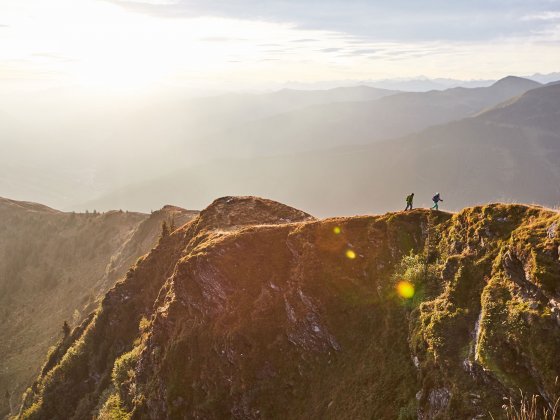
(294, 319)
(328, 125)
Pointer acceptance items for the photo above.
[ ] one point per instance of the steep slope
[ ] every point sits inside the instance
(54, 266)
(349, 123)
(256, 310)
(509, 153)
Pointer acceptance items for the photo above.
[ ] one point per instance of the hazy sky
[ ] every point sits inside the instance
(139, 44)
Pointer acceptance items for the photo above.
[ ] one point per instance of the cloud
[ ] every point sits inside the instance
(305, 40)
(329, 50)
(365, 51)
(546, 16)
(53, 57)
(221, 39)
(398, 20)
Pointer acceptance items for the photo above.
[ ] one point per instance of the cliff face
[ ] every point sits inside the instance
(256, 310)
(54, 267)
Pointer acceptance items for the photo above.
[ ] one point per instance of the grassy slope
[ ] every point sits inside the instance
(55, 266)
(276, 321)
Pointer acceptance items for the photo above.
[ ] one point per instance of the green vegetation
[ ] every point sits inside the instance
(113, 409)
(66, 329)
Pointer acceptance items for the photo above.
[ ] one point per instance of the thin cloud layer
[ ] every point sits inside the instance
(210, 45)
(400, 20)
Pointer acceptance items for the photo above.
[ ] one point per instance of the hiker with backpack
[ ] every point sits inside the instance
(436, 199)
(409, 202)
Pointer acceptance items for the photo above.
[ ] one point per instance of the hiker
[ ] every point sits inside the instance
(436, 199)
(409, 202)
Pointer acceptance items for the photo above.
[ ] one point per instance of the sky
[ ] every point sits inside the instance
(134, 45)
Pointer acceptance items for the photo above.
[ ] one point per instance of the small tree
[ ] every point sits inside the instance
(65, 329)
(164, 229)
(172, 224)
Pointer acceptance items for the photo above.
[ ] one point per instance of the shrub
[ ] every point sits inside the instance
(123, 369)
(113, 409)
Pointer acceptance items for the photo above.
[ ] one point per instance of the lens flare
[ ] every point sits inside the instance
(405, 289)
(337, 230)
(350, 254)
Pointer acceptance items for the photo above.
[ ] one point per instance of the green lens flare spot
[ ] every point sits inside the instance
(405, 289)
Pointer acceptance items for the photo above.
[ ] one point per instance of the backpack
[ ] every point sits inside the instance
(435, 198)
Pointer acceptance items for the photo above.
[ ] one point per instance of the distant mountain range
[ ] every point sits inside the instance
(351, 123)
(418, 84)
(103, 155)
(507, 153)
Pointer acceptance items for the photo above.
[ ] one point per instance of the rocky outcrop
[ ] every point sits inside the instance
(256, 310)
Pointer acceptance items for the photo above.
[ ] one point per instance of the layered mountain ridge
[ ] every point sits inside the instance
(257, 310)
(506, 153)
(353, 122)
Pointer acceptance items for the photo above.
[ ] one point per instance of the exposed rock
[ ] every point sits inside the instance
(552, 231)
(438, 401)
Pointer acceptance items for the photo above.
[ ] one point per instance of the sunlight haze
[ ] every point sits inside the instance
(127, 45)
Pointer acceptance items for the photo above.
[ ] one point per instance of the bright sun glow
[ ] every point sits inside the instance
(99, 45)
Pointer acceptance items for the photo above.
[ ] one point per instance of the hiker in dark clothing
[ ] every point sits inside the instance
(409, 202)
(436, 199)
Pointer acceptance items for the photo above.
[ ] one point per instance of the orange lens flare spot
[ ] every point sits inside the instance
(337, 230)
(405, 289)
(350, 254)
